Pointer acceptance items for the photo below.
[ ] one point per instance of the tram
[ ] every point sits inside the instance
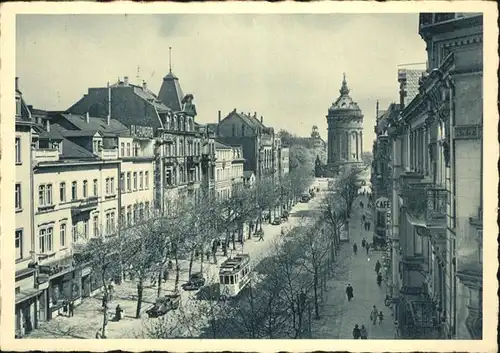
(234, 275)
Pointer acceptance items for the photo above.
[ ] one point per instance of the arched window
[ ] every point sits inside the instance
(167, 122)
(175, 127)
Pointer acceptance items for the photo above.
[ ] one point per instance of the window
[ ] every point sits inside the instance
(62, 234)
(129, 188)
(62, 192)
(146, 180)
(122, 149)
(122, 216)
(141, 180)
(141, 211)
(108, 223)
(113, 223)
(85, 189)
(45, 239)
(135, 213)
(18, 197)
(45, 195)
(129, 215)
(122, 181)
(86, 229)
(136, 149)
(19, 244)
(135, 181)
(128, 149)
(146, 210)
(18, 150)
(107, 186)
(112, 185)
(74, 233)
(95, 224)
(74, 191)
(95, 188)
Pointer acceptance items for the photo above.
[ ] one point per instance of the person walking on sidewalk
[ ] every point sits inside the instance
(363, 243)
(354, 248)
(379, 279)
(374, 315)
(261, 236)
(350, 292)
(356, 332)
(367, 247)
(364, 334)
(377, 267)
(367, 226)
(380, 317)
(71, 308)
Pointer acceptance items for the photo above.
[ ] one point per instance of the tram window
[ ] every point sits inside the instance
(226, 279)
(236, 279)
(231, 278)
(221, 279)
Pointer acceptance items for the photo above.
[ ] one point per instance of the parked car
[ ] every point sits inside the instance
(276, 222)
(164, 304)
(196, 281)
(284, 216)
(305, 197)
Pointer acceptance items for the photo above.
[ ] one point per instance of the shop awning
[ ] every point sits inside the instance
(26, 294)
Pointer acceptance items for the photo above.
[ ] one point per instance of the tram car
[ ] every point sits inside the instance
(234, 275)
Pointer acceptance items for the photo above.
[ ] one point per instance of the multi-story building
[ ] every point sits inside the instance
(381, 173)
(345, 132)
(228, 169)
(171, 120)
(26, 293)
(437, 196)
(256, 139)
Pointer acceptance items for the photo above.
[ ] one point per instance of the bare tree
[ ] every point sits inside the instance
(346, 187)
(334, 213)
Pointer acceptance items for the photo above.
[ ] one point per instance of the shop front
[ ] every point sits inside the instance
(26, 302)
(86, 282)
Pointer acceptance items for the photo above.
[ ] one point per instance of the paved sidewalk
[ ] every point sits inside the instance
(362, 277)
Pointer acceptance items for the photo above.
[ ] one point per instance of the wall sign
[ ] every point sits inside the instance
(465, 132)
(382, 204)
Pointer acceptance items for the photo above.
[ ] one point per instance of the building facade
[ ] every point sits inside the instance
(345, 132)
(26, 292)
(437, 195)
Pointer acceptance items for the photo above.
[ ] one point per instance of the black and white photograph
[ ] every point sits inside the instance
(282, 175)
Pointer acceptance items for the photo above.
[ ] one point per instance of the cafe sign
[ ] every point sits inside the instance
(383, 204)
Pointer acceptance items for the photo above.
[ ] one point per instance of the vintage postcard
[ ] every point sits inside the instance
(249, 176)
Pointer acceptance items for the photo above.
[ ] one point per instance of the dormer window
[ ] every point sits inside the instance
(18, 106)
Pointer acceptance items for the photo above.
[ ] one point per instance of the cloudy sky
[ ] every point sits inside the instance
(287, 68)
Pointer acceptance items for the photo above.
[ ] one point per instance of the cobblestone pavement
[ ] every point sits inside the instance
(87, 317)
(362, 277)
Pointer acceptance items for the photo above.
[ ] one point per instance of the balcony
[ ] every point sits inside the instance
(46, 155)
(106, 154)
(85, 205)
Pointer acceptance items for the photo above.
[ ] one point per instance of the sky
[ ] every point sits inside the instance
(287, 68)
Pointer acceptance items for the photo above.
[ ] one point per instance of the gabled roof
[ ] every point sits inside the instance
(171, 93)
(250, 120)
(79, 133)
(220, 145)
(97, 124)
(72, 150)
(44, 134)
(148, 95)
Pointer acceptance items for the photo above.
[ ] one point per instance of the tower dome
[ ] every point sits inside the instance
(345, 131)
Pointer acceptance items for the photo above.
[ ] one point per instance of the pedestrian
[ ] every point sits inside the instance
(364, 334)
(118, 313)
(363, 243)
(354, 248)
(374, 315)
(261, 236)
(363, 219)
(165, 275)
(356, 332)
(98, 334)
(380, 317)
(65, 307)
(377, 266)
(361, 204)
(379, 279)
(367, 247)
(71, 308)
(367, 224)
(350, 292)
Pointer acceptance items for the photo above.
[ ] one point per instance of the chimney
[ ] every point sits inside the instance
(144, 85)
(219, 117)
(47, 125)
(261, 119)
(402, 91)
(234, 110)
(87, 118)
(17, 83)
(376, 113)
(125, 81)
(109, 105)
